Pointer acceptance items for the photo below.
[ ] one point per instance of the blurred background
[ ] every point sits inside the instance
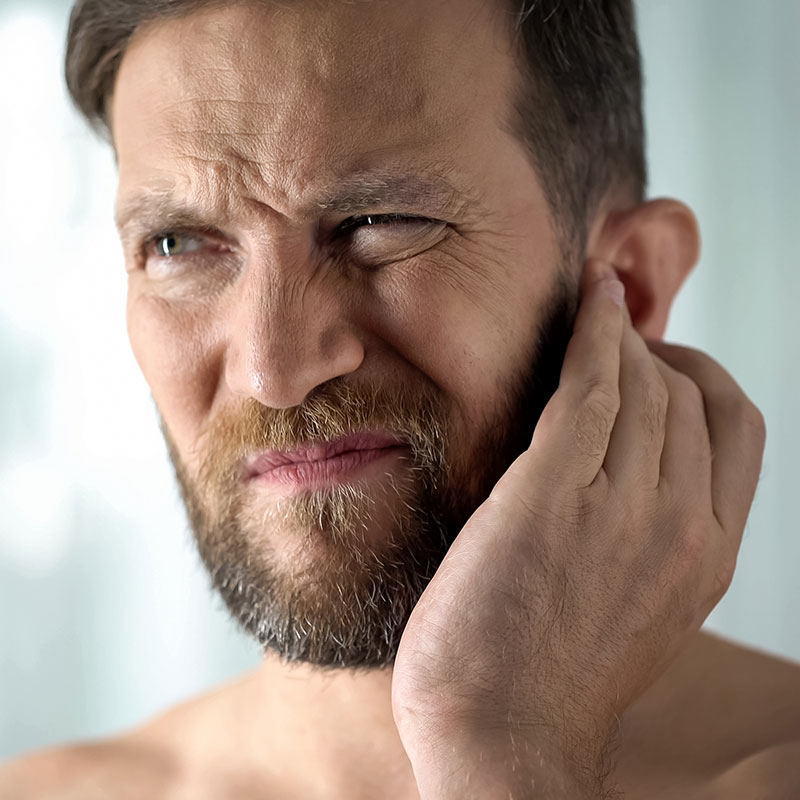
(105, 614)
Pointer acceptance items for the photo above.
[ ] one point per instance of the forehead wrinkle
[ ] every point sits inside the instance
(275, 137)
(303, 185)
(226, 176)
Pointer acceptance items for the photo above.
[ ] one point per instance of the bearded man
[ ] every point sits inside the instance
(399, 298)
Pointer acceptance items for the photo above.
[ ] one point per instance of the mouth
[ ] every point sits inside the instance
(320, 464)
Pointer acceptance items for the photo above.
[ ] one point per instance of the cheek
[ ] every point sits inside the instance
(173, 352)
(463, 327)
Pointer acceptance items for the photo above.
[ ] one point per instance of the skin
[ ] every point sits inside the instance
(697, 717)
(629, 539)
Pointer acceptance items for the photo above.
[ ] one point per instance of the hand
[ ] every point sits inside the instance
(598, 553)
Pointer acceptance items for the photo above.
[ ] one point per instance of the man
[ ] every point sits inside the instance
(398, 298)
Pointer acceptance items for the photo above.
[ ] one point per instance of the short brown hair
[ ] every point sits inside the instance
(579, 107)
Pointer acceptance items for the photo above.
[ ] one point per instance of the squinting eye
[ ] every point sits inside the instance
(379, 239)
(176, 244)
(376, 220)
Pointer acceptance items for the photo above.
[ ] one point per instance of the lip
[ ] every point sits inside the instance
(321, 462)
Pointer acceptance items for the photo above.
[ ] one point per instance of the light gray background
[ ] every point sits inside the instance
(105, 615)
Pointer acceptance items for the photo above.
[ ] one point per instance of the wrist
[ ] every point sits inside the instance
(509, 767)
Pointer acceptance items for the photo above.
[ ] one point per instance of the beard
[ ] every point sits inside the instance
(329, 577)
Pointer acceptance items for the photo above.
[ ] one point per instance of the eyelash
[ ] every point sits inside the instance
(354, 223)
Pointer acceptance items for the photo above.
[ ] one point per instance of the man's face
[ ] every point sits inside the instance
(329, 229)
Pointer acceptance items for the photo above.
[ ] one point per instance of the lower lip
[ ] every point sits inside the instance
(306, 474)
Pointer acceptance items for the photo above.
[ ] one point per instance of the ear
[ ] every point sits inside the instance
(653, 248)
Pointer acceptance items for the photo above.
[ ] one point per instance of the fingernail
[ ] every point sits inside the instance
(615, 290)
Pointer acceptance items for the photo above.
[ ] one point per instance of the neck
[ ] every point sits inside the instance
(322, 734)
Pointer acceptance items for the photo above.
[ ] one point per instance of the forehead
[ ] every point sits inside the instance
(288, 94)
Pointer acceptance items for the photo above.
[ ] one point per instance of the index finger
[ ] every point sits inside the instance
(574, 429)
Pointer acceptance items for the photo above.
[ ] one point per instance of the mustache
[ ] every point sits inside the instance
(414, 411)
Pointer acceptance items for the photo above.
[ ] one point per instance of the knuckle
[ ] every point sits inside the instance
(655, 399)
(594, 418)
(656, 387)
(601, 398)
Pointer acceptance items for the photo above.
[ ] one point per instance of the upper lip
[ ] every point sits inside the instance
(267, 460)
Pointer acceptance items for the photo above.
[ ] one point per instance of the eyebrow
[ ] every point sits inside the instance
(365, 190)
(149, 210)
(434, 194)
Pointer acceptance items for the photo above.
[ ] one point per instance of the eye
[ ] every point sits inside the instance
(384, 220)
(173, 254)
(375, 240)
(170, 244)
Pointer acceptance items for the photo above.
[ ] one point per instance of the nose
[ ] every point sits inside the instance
(288, 332)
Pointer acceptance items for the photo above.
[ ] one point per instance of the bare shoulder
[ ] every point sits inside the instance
(751, 691)
(177, 755)
(760, 702)
(93, 770)
(725, 716)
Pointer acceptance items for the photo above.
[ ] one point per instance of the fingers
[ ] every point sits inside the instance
(685, 460)
(649, 412)
(736, 431)
(634, 452)
(575, 426)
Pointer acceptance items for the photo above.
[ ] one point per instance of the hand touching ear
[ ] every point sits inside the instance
(569, 591)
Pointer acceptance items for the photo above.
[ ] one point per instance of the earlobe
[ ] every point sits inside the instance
(653, 246)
